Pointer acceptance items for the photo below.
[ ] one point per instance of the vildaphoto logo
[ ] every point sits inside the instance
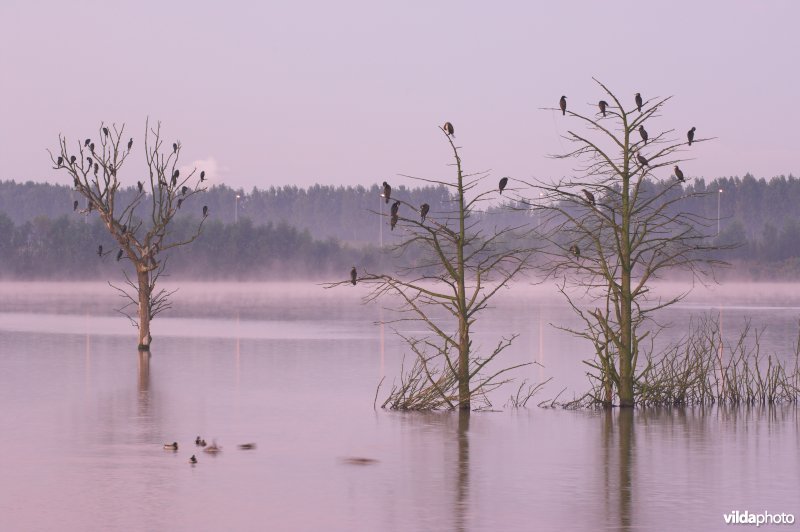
(765, 518)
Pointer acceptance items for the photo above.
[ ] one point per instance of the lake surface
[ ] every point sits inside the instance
(294, 368)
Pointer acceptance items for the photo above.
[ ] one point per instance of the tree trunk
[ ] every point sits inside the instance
(144, 310)
(463, 365)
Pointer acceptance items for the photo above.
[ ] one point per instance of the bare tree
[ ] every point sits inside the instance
(622, 222)
(462, 264)
(143, 227)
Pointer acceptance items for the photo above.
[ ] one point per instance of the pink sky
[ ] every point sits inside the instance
(351, 92)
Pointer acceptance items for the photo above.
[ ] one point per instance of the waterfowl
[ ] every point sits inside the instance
(247, 446)
(423, 211)
(603, 104)
(171, 446)
(354, 276)
(213, 448)
(638, 98)
(502, 184)
(193, 460)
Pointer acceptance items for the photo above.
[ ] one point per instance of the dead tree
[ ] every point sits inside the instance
(142, 227)
(462, 264)
(622, 222)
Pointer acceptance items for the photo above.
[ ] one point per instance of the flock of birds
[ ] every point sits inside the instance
(139, 184)
(213, 448)
(574, 249)
(603, 105)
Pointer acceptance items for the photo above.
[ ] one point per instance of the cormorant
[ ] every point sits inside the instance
(353, 276)
(105, 131)
(140, 185)
(119, 255)
(77, 183)
(643, 133)
(387, 191)
(690, 135)
(639, 102)
(448, 128)
(589, 196)
(395, 208)
(205, 211)
(423, 211)
(87, 142)
(175, 146)
(641, 159)
(203, 175)
(563, 104)
(184, 189)
(91, 147)
(130, 144)
(502, 184)
(603, 104)
(180, 201)
(678, 173)
(75, 205)
(393, 221)
(575, 250)
(96, 168)
(60, 161)
(90, 161)
(193, 460)
(72, 160)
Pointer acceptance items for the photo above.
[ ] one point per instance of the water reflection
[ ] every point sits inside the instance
(462, 464)
(618, 453)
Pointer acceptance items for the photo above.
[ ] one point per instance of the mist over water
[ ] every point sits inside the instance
(294, 368)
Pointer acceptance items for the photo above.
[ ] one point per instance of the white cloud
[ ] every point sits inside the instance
(214, 171)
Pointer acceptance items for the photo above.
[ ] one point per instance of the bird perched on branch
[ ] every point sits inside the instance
(105, 131)
(175, 176)
(202, 176)
(502, 184)
(180, 202)
(575, 250)
(641, 159)
(354, 276)
(589, 196)
(643, 133)
(205, 211)
(603, 104)
(690, 135)
(140, 185)
(87, 142)
(395, 208)
(393, 221)
(91, 147)
(387, 191)
(423, 211)
(130, 144)
(60, 161)
(639, 102)
(448, 128)
(119, 255)
(679, 174)
(75, 205)
(72, 160)
(175, 146)
(563, 104)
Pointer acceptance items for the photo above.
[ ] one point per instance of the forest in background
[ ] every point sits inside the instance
(319, 232)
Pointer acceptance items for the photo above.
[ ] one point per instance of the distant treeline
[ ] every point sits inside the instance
(343, 213)
(67, 248)
(290, 232)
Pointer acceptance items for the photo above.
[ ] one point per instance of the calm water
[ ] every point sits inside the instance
(294, 368)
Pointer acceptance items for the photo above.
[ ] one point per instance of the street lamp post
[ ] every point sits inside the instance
(719, 198)
(236, 211)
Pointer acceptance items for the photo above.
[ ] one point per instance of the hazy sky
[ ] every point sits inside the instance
(346, 92)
